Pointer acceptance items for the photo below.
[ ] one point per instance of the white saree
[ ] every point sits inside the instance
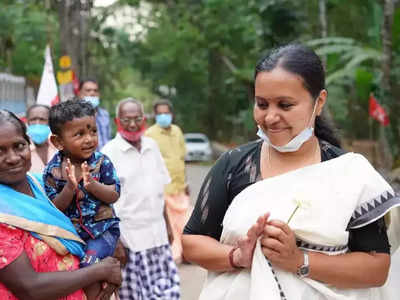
(333, 196)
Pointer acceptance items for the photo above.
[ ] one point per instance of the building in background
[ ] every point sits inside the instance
(13, 93)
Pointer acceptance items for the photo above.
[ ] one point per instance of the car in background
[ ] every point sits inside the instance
(198, 147)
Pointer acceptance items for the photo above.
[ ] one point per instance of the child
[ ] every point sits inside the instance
(82, 182)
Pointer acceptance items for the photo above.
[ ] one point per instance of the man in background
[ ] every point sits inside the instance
(150, 272)
(170, 140)
(42, 150)
(89, 91)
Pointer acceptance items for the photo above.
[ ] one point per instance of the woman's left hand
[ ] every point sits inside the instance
(278, 243)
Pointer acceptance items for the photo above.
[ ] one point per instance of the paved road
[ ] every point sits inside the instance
(192, 277)
(394, 277)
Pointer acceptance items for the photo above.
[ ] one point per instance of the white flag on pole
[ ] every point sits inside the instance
(48, 87)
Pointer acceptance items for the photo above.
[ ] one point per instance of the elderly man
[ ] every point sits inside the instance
(170, 139)
(89, 91)
(150, 272)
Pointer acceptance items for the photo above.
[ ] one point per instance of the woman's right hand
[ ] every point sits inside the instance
(121, 253)
(111, 270)
(243, 255)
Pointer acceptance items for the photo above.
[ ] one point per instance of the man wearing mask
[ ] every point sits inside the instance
(42, 150)
(170, 140)
(89, 91)
(143, 225)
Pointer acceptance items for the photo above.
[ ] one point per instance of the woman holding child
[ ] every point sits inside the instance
(292, 216)
(39, 247)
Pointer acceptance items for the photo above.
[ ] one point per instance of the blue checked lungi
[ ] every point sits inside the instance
(150, 275)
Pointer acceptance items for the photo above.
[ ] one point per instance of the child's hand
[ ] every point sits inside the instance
(87, 178)
(71, 179)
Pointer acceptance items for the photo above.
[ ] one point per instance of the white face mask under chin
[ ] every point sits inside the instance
(294, 144)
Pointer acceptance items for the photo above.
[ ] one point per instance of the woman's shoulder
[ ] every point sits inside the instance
(330, 151)
(244, 150)
(357, 161)
(234, 158)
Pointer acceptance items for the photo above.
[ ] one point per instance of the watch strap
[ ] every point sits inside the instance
(304, 269)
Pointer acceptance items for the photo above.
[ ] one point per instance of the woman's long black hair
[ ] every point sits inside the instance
(304, 62)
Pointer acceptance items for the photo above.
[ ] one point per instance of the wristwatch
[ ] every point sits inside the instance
(304, 269)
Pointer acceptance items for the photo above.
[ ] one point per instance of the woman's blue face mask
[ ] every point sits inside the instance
(164, 120)
(39, 133)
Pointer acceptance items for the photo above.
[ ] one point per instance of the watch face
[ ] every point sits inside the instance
(304, 270)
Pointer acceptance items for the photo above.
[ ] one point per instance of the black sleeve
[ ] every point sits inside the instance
(212, 202)
(372, 237)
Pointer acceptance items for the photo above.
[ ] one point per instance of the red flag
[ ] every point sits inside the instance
(377, 112)
(55, 101)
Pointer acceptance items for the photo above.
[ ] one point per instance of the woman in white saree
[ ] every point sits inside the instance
(291, 216)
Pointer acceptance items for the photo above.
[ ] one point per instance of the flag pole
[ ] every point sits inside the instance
(370, 128)
(370, 124)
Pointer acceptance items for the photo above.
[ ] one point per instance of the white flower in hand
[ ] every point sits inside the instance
(301, 202)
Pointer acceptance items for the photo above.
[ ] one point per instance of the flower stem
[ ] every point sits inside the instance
(291, 216)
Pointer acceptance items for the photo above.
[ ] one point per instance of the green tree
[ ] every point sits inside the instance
(207, 64)
(25, 28)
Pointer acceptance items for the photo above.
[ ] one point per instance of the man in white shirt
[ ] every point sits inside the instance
(150, 272)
